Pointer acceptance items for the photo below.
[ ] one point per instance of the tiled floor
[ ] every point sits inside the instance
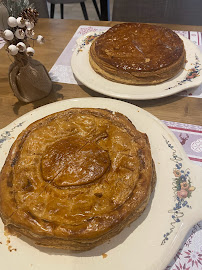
(73, 11)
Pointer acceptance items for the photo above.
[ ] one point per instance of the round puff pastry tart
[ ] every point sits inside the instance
(74, 179)
(137, 53)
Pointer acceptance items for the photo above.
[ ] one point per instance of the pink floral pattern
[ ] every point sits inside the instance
(189, 255)
(191, 74)
(182, 189)
(191, 260)
(87, 40)
(193, 257)
(87, 29)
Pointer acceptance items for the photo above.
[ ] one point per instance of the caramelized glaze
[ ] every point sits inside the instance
(76, 178)
(139, 47)
(136, 53)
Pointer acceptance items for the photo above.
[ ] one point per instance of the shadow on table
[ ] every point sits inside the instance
(52, 97)
(139, 103)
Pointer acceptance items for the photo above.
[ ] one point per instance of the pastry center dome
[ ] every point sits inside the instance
(74, 161)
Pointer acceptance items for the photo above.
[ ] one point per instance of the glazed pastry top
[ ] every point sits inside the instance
(139, 47)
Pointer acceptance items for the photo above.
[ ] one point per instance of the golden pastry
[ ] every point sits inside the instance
(76, 178)
(137, 53)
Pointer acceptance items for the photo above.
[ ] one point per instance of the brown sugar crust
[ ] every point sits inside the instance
(76, 178)
(137, 53)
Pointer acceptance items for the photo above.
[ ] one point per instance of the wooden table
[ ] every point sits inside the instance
(58, 33)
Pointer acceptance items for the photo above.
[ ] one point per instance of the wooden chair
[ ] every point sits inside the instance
(158, 11)
(62, 2)
(41, 6)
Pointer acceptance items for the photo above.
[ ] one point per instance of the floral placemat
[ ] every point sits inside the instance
(189, 256)
(62, 72)
(190, 136)
(2, 42)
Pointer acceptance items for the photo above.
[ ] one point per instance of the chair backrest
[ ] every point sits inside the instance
(65, 1)
(41, 6)
(186, 12)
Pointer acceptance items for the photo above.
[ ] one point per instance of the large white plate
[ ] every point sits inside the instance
(151, 241)
(190, 77)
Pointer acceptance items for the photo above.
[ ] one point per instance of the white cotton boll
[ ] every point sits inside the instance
(30, 51)
(12, 22)
(40, 39)
(8, 35)
(20, 34)
(29, 25)
(20, 22)
(13, 50)
(21, 47)
(29, 33)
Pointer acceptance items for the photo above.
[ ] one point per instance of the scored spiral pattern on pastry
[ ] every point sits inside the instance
(76, 178)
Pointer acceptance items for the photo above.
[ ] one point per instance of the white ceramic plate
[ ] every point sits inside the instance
(188, 78)
(151, 241)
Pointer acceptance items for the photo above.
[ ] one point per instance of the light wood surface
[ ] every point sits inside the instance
(57, 34)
